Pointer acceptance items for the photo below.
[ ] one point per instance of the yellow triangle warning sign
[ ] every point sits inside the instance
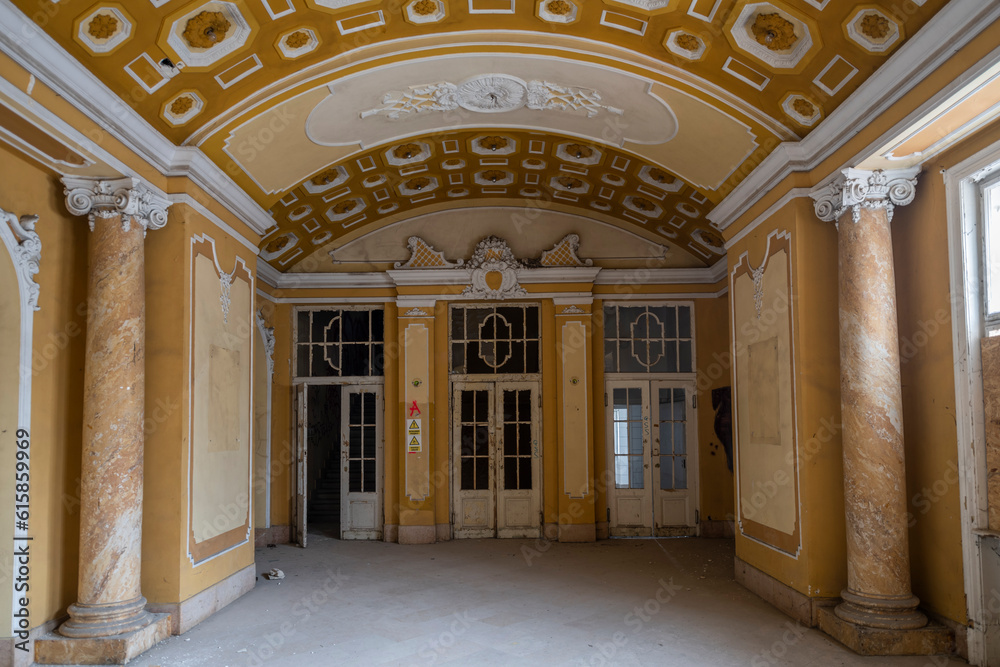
(414, 442)
(414, 426)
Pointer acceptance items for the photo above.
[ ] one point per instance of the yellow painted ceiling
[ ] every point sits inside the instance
(202, 72)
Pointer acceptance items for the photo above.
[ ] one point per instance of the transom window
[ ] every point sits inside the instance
(647, 339)
(991, 258)
(347, 342)
(495, 340)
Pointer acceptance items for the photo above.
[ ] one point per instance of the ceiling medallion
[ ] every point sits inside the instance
(774, 32)
(490, 93)
(102, 26)
(875, 26)
(206, 30)
(493, 143)
(494, 93)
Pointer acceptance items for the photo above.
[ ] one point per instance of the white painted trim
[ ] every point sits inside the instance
(695, 276)
(237, 262)
(744, 258)
(913, 62)
(28, 295)
(34, 50)
(963, 213)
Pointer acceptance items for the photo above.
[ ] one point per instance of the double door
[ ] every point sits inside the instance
(496, 459)
(340, 432)
(652, 454)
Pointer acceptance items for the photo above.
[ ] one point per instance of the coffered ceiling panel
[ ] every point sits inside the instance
(305, 103)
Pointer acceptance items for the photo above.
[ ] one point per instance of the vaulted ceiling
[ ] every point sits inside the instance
(345, 116)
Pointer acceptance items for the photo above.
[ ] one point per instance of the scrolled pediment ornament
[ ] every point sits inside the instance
(494, 271)
(127, 197)
(855, 189)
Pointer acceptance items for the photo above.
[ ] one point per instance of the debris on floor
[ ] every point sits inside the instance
(274, 573)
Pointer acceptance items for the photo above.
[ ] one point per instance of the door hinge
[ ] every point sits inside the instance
(694, 401)
(697, 516)
(605, 399)
(609, 513)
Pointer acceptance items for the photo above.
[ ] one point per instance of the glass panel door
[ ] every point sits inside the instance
(361, 457)
(674, 456)
(519, 454)
(473, 446)
(629, 458)
(652, 452)
(497, 458)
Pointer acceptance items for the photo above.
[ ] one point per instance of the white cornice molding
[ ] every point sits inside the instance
(34, 50)
(694, 276)
(949, 30)
(268, 274)
(856, 189)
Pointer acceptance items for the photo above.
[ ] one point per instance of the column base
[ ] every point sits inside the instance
(115, 650)
(932, 639)
(105, 619)
(887, 613)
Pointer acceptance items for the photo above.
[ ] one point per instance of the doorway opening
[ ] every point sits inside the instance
(339, 409)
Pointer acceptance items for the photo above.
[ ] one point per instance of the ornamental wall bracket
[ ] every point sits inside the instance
(27, 254)
(490, 93)
(225, 298)
(269, 340)
(855, 189)
(127, 197)
(494, 271)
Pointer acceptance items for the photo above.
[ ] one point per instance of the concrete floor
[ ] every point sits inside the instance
(659, 602)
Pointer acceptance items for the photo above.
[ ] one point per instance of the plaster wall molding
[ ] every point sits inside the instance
(855, 189)
(26, 252)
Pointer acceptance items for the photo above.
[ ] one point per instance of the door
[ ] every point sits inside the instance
(361, 458)
(652, 454)
(496, 460)
(301, 460)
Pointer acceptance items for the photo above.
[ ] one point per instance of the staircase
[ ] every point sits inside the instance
(324, 501)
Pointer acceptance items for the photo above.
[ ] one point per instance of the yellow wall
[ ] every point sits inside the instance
(168, 575)
(714, 366)
(57, 383)
(818, 569)
(10, 332)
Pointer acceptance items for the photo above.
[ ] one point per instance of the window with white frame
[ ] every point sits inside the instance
(343, 342)
(648, 339)
(991, 256)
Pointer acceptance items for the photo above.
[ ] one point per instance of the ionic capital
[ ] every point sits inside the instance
(855, 189)
(127, 197)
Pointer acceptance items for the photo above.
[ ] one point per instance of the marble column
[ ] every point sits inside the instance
(120, 211)
(878, 563)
